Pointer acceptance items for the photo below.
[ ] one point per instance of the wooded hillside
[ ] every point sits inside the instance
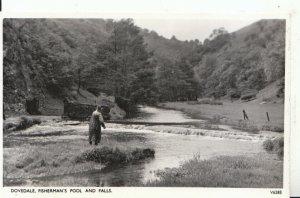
(244, 61)
(51, 59)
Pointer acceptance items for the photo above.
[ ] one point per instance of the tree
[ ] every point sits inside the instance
(176, 81)
(125, 62)
(174, 38)
(218, 32)
(187, 75)
(43, 55)
(143, 87)
(166, 80)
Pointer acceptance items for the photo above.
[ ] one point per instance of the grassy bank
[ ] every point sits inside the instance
(231, 113)
(224, 171)
(65, 156)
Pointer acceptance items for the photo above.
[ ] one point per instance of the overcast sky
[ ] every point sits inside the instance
(190, 29)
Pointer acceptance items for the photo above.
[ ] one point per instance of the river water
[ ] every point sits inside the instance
(153, 114)
(170, 151)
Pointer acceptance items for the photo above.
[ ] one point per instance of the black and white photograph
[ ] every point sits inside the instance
(144, 102)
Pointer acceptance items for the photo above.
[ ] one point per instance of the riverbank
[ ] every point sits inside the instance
(28, 163)
(224, 171)
(59, 148)
(230, 113)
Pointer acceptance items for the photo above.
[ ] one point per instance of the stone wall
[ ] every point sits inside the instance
(79, 111)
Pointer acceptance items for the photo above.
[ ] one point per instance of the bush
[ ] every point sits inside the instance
(279, 143)
(26, 122)
(127, 105)
(275, 146)
(280, 153)
(7, 126)
(268, 145)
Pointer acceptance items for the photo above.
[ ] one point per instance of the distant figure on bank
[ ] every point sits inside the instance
(95, 126)
(4, 118)
(245, 115)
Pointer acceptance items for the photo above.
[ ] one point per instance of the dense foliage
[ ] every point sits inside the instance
(176, 81)
(137, 66)
(244, 61)
(46, 56)
(126, 66)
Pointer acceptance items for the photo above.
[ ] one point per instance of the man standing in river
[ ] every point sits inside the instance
(95, 126)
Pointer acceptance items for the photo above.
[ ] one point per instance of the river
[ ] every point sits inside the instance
(170, 151)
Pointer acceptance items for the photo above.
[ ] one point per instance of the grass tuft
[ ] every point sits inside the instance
(111, 156)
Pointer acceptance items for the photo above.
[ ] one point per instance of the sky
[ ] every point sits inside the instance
(190, 29)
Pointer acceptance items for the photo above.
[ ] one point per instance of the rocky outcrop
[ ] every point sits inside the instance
(77, 111)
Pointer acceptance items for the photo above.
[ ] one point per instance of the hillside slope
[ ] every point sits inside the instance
(245, 61)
